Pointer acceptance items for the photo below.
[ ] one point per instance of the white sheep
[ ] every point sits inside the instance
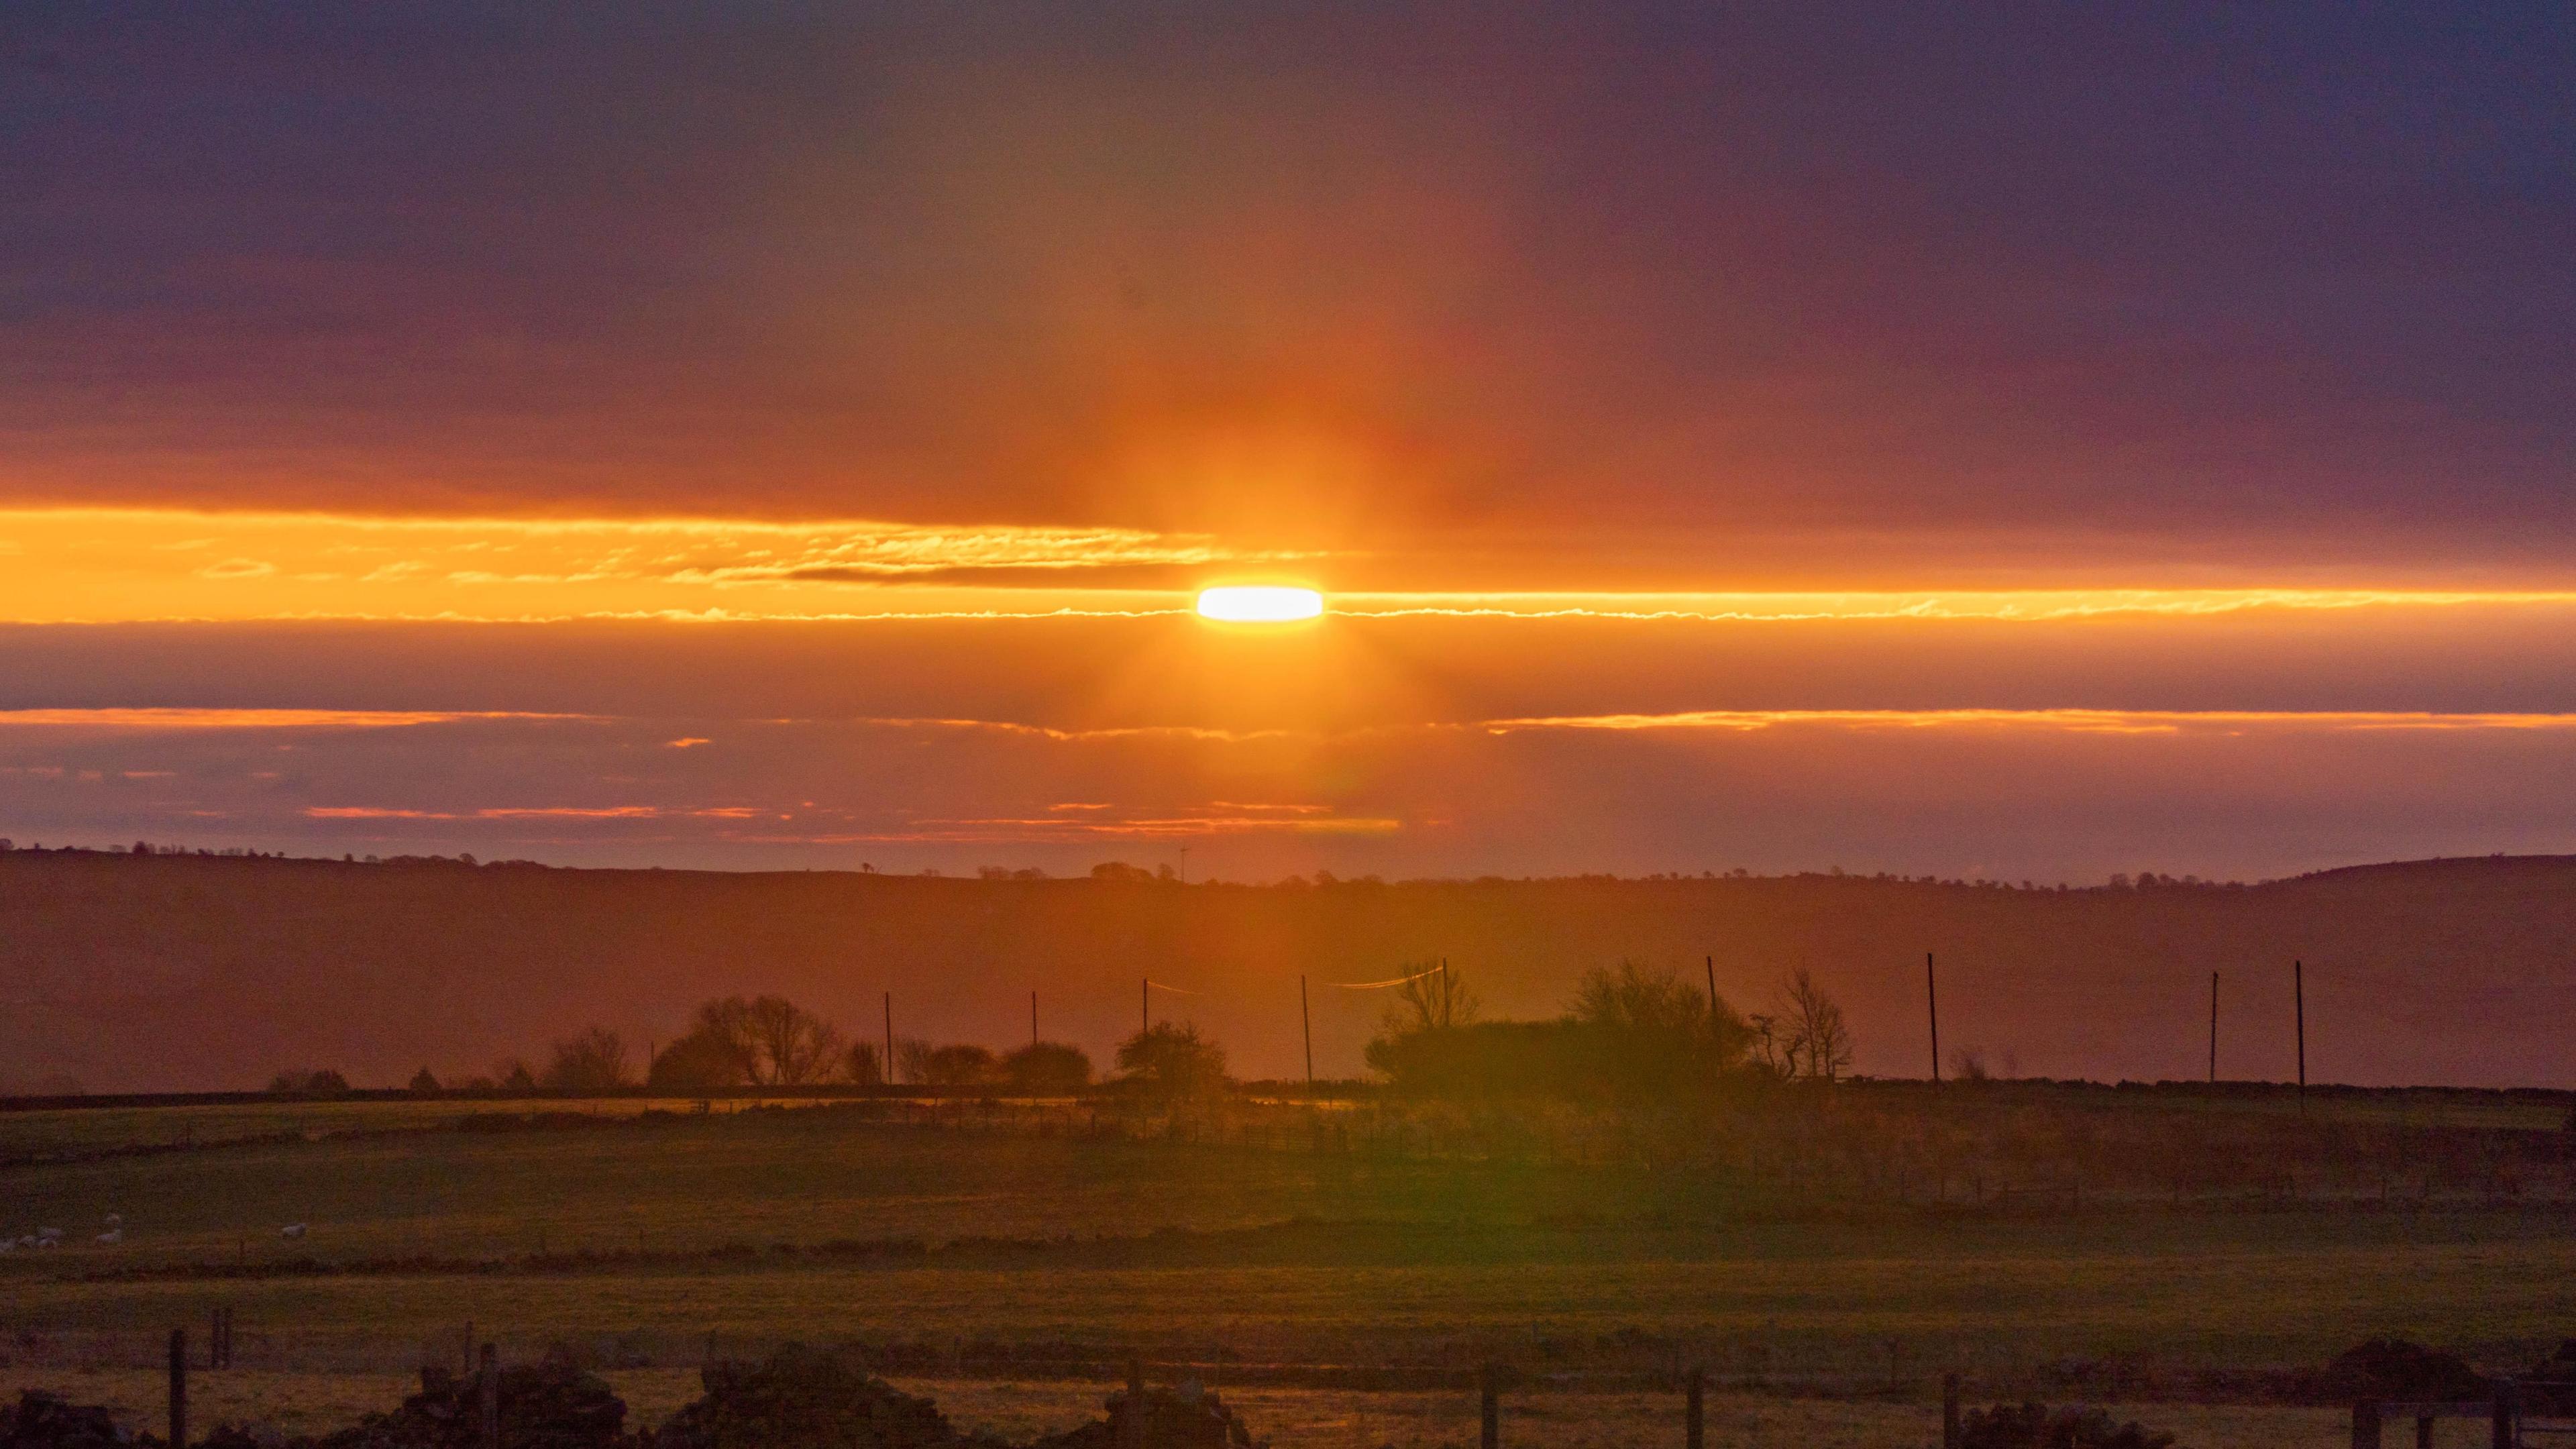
(44, 1234)
(112, 1235)
(116, 1220)
(291, 1230)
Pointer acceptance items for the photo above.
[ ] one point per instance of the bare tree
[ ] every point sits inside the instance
(594, 1061)
(1819, 1043)
(1432, 997)
(863, 1065)
(795, 1045)
(771, 1040)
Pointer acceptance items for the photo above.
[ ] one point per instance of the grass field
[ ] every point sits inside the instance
(1287, 1257)
(1322, 1418)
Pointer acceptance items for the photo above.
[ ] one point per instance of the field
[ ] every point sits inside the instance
(1015, 1260)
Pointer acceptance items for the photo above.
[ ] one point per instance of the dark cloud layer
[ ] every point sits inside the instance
(1611, 294)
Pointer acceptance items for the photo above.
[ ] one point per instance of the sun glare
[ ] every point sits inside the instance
(1259, 604)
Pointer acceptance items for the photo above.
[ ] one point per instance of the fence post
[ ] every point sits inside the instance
(2423, 1431)
(178, 1388)
(1489, 1405)
(1694, 1389)
(2365, 1424)
(1949, 1411)
(2507, 1411)
(1131, 1421)
(490, 1385)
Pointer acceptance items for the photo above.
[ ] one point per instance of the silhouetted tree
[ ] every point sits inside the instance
(695, 1063)
(423, 1083)
(1819, 1044)
(793, 1046)
(1648, 1033)
(1047, 1069)
(308, 1082)
(1173, 1061)
(862, 1065)
(770, 1041)
(514, 1075)
(594, 1061)
(1431, 998)
(960, 1064)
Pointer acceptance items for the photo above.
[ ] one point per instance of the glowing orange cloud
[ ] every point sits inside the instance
(110, 565)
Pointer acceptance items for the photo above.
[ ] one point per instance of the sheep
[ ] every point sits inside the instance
(42, 1234)
(291, 1230)
(116, 1220)
(112, 1235)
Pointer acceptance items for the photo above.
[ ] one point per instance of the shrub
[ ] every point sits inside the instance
(594, 1061)
(695, 1063)
(801, 1398)
(960, 1064)
(1047, 1069)
(1173, 1061)
(2034, 1426)
(308, 1082)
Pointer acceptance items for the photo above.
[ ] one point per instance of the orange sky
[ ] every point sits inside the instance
(1724, 438)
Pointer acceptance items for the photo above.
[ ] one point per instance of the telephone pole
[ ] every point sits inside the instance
(1711, 963)
(2299, 1003)
(1932, 1005)
(889, 1038)
(2213, 1028)
(1306, 1018)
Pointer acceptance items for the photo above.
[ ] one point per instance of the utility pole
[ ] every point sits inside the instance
(1711, 963)
(2213, 1028)
(2299, 1003)
(889, 1038)
(1306, 1018)
(1932, 1004)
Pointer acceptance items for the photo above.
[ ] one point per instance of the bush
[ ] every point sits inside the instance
(308, 1082)
(801, 1398)
(959, 1064)
(42, 1419)
(551, 1404)
(1173, 1061)
(696, 1063)
(1047, 1069)
(2034, 1426)
(594, 1061)
(2394, 1368)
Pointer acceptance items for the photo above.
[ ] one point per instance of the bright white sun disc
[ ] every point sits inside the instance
(1259, 604)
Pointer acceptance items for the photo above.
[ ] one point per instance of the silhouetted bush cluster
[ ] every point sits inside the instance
(2035, 1426)
(1629, 1035)
(801, 1398)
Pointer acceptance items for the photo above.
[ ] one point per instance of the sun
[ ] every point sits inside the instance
(1259, 604)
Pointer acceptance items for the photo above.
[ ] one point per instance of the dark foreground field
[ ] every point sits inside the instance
(1025, 1248)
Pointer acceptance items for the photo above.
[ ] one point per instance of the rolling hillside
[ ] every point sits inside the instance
(184, 972)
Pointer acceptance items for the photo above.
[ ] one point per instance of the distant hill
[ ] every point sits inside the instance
(182, 971)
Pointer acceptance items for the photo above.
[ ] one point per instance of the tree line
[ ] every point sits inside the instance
(1628, 1033)
(736, 1042)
